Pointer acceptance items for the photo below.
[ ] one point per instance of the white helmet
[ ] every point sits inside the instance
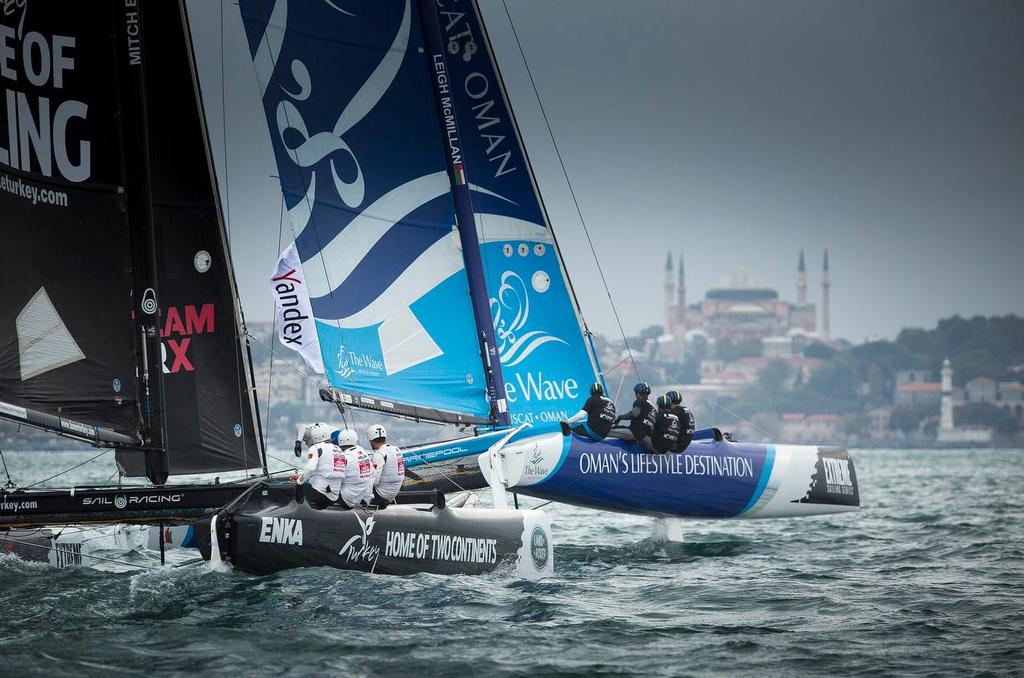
(316, 433)
(347, 438)
(376, 431)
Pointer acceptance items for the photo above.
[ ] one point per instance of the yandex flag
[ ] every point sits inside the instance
(296, 328)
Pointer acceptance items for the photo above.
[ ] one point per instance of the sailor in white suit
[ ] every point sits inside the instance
(388, 466)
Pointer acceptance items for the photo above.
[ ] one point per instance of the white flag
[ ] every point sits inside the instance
(295, 326)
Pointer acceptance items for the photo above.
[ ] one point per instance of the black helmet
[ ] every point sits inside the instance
(664, 401)
(596, 389)
(643, 388)
(675, 396)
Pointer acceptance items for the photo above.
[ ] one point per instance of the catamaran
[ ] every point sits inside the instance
(456, 246)
(120, 323)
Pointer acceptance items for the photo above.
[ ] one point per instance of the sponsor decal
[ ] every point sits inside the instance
(41, 134)
(13, 410)
(539, 548)
(178, 326)
(78, 427)
(340, 462)
(834, 480)
(122, 501)
(628, 463)
(297, 329)
(28, 191)
(446, 547)
(7, 506)
(359, 547)
(510, 308)
(67, 554)
(535, 467)
(281, 531)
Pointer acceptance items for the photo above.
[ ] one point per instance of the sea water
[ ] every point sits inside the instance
(928, 578)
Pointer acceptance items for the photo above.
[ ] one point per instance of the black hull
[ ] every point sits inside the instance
(271, 532)
(113, 505)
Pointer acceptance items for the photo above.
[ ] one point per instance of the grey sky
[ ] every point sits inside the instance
(736, 132)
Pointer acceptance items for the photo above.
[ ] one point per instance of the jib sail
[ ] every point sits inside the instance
(546, 361)
(66, 329)
(355, 133)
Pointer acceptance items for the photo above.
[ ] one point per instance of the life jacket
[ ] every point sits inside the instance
(389, 468)
(600, 414)
(686, 420)
(329, 475)
(642, 424)
(665, 436)
(358, 468)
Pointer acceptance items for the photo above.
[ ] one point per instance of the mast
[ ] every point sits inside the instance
(584, 330)
(134, 126)
(464, 212)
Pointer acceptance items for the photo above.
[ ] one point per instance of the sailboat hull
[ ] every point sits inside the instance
(711, 479)
(272, 532)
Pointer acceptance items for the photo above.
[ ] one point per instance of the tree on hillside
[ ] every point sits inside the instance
(729, 350)
(774, 376)
(906, 419)
(834, 380)
(986, 415)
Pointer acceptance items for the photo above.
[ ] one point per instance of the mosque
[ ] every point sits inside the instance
(743, 308)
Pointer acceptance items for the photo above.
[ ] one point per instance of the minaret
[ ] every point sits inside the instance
(801, 281)
(946, 418)
(826, 329)
(681, 292)
(670, 295)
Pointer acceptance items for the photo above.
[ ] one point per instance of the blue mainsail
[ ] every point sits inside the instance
(355, 133)
(545, 359)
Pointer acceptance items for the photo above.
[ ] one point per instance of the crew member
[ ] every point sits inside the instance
(687, 423)
(388, 466)
(595, 419)
(642, 416)
(323, 474)
(358, 468)
(665, 436)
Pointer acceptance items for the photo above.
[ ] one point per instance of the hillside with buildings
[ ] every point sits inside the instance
(764, 367)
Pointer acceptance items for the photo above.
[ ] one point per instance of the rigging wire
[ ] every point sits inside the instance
(572, 192)
(273, 326)
(68, 470)
(10, 484)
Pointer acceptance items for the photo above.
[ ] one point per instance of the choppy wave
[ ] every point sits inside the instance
(925, 580)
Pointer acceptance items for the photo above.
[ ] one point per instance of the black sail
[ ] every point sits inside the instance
(206, 399)
(67, 338)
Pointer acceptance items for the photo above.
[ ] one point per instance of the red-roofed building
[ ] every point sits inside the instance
(919, 394)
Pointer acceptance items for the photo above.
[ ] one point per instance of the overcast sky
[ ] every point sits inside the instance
(735, 132)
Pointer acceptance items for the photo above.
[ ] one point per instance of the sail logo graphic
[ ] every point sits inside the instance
(513, 299)
(39, 128)
(185, 323)
(320, 138)
(281, 531)
(358, 547)
(837, 475)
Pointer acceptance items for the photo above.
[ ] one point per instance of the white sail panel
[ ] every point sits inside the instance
(44, 341)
